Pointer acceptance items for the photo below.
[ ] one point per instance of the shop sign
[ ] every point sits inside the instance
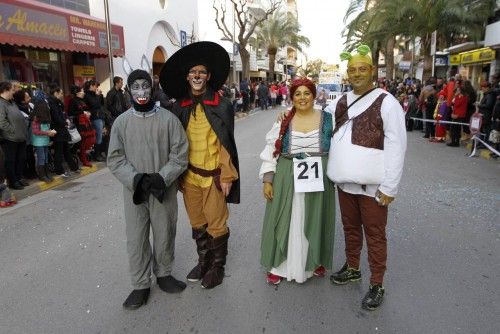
(83, 71)
(455, 60)
(477, 56)
(38, 25)
(404, 65)
(441, 60)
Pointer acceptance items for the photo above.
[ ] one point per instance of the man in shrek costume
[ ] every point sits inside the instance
(148, 151)
(192, 76)
(366, 162)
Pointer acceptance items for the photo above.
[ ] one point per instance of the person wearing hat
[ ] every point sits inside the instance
(147, 153)
(192, 76)
(366, 162)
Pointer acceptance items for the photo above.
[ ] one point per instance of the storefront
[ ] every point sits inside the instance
(42, 44)
(474, 65)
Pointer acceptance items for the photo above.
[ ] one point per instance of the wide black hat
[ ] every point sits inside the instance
(174, 71)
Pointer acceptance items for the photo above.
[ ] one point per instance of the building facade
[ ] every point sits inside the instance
(154, 29)
(41, 43)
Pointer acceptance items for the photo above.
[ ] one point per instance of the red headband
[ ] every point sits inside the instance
(303, 82)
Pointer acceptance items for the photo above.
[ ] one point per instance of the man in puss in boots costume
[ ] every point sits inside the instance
(192, 76)
(147, 153)
(366, 162)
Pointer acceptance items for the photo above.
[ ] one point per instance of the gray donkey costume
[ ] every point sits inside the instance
(148, 151)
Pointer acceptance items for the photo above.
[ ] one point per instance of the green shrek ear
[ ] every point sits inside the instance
(363, 49)
(345, 55)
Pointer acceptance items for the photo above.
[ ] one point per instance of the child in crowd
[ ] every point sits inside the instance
(40, 138)
(440, 114)
(87, 133)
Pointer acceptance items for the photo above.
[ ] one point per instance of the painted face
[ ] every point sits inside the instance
(360, 76)
(141, 91)
(303, 99)
(198, 77)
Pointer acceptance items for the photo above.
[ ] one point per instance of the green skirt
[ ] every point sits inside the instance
(319, 224)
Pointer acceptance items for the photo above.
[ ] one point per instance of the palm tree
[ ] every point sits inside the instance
(378, 22)
(278, 31)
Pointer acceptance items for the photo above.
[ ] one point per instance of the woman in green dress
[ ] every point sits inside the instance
(299, 223)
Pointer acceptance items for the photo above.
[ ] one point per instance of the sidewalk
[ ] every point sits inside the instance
(480, 152)
(36, 186)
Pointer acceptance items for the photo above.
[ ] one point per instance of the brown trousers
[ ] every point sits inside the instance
(206, 206)
(362, 213)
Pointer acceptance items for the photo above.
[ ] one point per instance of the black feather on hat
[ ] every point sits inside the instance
(174, 72)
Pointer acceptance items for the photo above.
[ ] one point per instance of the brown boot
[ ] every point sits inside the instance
(215, 275)
(204, 256)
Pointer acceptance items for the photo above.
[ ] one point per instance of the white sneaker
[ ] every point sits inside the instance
(64, 175)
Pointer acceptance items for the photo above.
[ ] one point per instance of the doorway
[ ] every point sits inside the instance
(159, 59)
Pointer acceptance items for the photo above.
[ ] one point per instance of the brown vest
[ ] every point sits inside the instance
(367, 127)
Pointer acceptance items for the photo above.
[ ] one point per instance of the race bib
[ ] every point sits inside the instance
(308, 175)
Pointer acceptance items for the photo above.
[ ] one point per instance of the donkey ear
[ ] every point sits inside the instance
(145, 64)
(126, 66)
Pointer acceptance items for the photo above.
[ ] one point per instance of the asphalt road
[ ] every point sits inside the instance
(63, 264)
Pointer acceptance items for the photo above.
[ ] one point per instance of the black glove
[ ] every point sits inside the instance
(141, 188)
(157, 186)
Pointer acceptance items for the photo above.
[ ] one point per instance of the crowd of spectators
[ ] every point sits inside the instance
(253, 94)
(454, 100)
(37, 127)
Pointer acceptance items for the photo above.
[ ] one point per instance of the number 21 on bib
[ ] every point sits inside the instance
(308, 175)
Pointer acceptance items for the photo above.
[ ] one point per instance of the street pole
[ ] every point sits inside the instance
(234, 49)
(108, 37)
(433, 64)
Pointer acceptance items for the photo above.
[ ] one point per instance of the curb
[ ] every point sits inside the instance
(482, 152)
(36, 186)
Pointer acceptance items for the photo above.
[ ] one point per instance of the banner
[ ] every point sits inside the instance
(35, 24)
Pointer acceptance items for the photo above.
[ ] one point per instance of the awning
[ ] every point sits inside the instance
(35, 24)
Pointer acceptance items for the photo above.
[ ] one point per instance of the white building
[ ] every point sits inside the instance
(152, 28)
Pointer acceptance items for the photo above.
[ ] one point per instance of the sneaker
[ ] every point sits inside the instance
(373, 298)
(346, 275)
(273, 279)
(64, 175)
(320, 272)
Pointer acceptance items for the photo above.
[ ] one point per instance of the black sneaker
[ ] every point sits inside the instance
(345, 275)
(373, 298)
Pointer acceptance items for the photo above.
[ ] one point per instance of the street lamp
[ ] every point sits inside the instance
(108, 38)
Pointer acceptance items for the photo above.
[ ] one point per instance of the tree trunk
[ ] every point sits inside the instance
(245, 62)
(426, 50)
(272, 58)
(389, 58)
(375, 57)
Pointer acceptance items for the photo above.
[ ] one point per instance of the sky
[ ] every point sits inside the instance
(322, 22)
